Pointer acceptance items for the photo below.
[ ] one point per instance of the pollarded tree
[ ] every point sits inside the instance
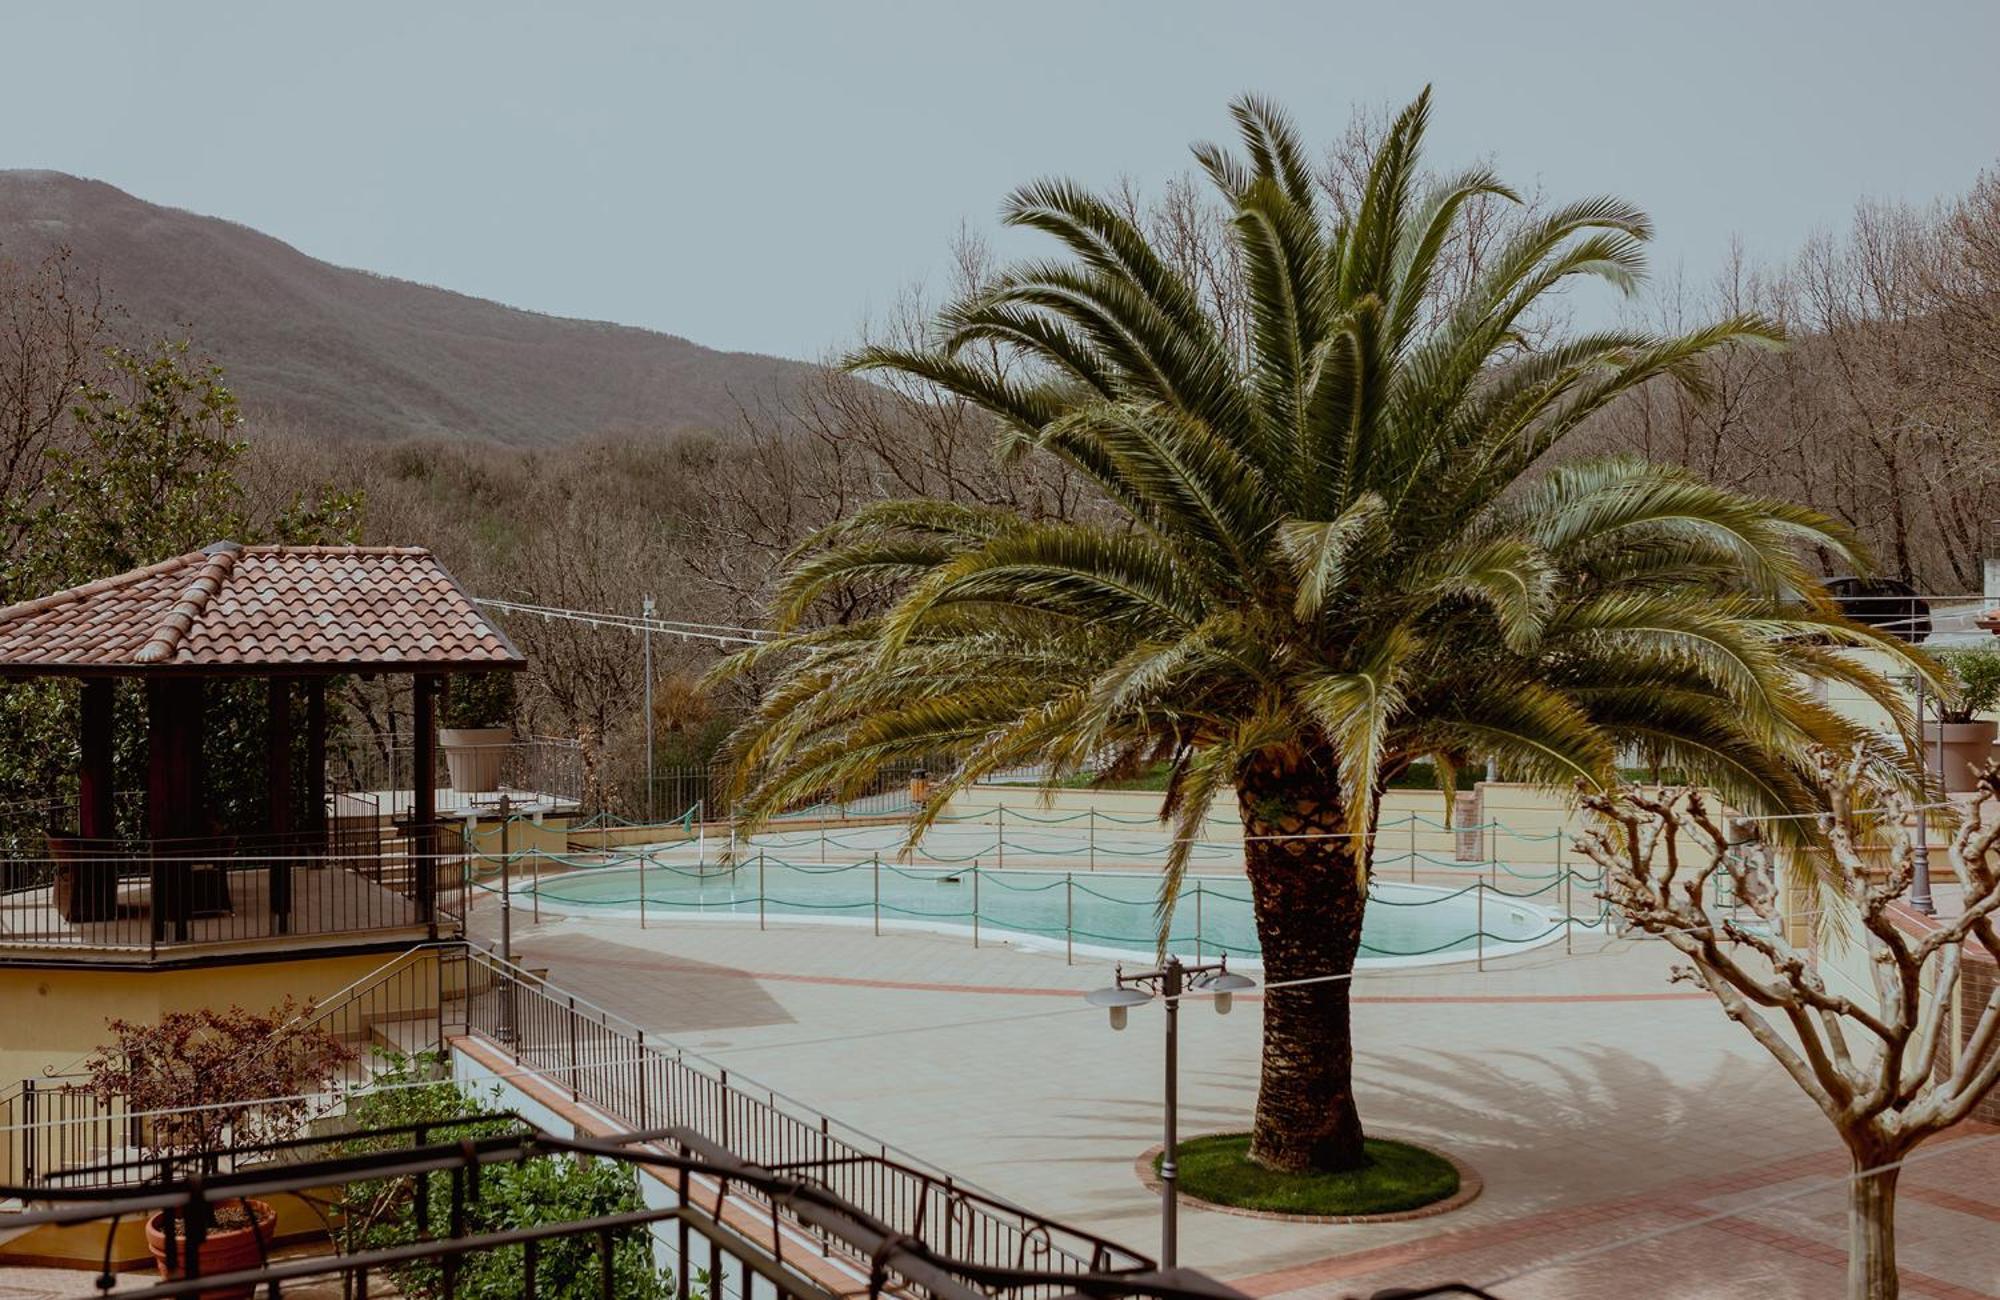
(1884, 1069)
(1321, 557)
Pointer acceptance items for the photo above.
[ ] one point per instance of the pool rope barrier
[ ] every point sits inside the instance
(764, 899)
(1550, 892)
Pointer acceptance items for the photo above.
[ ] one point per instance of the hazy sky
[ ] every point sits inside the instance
(759, 176)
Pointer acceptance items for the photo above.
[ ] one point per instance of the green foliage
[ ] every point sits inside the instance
(148, 470)
(1397, 1177)
(479, 700)
(1974, 682)
(548, 1189)
(1332, 539)
(1333, 544)
(151, 472)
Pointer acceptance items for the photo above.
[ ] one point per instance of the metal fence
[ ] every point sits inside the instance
(677, 789)
(538, 764)
(59, 1135)
(53, 1125)
(606, 1063)
(143, 898)
(704, 1234)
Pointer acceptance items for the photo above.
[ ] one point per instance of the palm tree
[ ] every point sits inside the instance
(1322, 556)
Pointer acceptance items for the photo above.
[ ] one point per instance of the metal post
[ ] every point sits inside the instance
(1411, 822)
(760, 889)
(877, 859)
(535, 899)
(642, 890)
(1093, 837)
(1069, 918)
(822, 839)
(506, 883)
(507, 1007)
(1197, 920)
(647, 608)
(1000, 841)
(1479, 932)
(1920, 885)
(975, 904)
(1569, 897)
(1170, 987)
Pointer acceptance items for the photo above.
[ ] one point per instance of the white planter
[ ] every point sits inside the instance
(473, 756)
(1968, 748)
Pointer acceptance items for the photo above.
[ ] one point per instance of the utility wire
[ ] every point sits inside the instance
(718, 633)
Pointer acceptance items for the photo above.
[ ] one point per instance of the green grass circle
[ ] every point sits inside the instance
(1398, 1177)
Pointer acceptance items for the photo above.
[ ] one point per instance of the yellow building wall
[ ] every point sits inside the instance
(52, 1018)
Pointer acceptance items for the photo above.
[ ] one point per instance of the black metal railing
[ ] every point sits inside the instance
(600, 1061)
(360, 875)
(62, 1136)
(728, 1226)
(53, 1128)
(550, 767)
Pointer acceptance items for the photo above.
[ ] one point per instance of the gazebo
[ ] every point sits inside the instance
(292, 617)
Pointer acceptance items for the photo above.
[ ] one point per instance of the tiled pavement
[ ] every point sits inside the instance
(1599, 1104)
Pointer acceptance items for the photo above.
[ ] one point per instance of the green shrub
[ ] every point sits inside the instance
(548, 1189)
(1975, 682)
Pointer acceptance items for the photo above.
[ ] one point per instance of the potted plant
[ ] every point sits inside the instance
(476, 730)
(205, 1080)
(1961, 741)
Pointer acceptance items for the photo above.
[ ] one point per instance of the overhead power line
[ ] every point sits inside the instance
(718, 633)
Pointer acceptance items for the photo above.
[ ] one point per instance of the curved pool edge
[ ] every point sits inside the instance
(1029, 942)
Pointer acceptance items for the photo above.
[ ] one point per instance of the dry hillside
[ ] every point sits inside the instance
(324, 349)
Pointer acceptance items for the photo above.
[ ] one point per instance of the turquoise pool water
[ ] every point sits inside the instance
(1104, 910)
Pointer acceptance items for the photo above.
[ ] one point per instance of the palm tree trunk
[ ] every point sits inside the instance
(1309, 897)
(1871, 1235)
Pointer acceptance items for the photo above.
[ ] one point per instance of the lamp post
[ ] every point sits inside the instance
(1170, 981)
(647, 610)
(507, 916)
(1920, 857)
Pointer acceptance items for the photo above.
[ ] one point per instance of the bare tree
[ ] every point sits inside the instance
(54, 326)
(1872, 1066)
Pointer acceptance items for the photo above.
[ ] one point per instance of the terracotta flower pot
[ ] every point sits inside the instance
(473, 756)
(1968, 748)
(223, 1250)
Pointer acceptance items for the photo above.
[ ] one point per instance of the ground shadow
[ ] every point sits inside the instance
(664, 993)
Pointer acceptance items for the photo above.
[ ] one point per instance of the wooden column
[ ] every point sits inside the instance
(88, 885)
(315, 818)
(96, 815)
(173, 795)
(423, 811)
(278, 794)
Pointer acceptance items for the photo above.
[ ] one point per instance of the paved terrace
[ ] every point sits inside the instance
(1599, 1104)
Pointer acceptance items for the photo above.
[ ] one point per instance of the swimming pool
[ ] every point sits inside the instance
(1108, 912)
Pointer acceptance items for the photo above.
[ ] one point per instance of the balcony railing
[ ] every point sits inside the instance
(821, 1207)
(148, 899)
(61, 1139)
(699, 1224)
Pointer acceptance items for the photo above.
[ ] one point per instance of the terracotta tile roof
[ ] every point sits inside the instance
(250, 607)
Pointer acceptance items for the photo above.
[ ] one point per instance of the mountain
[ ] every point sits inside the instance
(326, 349)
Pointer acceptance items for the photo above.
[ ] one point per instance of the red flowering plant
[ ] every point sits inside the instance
(207, 1079)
